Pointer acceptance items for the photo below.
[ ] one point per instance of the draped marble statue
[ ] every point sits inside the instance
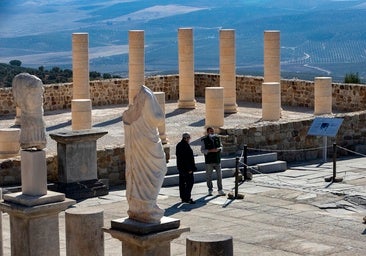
(28, 96)
(145, 157)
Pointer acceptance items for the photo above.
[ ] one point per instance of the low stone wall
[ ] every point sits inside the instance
(111, 165)
(346, 97)
(291, 142)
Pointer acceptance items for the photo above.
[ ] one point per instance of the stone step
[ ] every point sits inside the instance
(276, 166)
(226, 162)
(199, 176)
(258, 163)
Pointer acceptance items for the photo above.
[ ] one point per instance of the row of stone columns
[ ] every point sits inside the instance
(227, 69)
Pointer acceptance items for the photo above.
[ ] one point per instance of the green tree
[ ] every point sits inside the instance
(352, 78)
(107, 76)
(17, 63)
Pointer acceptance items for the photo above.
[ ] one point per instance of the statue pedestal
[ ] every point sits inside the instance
(34, 225)
(77, 164)
(145, 239)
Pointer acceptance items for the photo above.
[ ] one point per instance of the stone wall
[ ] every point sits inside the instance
(346, 97)
(291, 142)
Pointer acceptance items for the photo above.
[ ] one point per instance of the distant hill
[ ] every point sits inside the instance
(52, 76)
(318, 37)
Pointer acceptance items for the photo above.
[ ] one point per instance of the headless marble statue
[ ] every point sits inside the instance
(145, 157)
(28, 96)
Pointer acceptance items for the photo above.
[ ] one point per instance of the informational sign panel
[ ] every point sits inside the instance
(323, 126)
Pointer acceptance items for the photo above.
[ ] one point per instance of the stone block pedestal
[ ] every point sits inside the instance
(34, 225)
(145, 238)
(77, 164)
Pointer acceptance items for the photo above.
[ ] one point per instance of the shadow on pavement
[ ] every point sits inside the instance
(183, 207)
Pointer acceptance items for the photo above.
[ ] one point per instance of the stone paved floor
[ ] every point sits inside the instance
(289, 213)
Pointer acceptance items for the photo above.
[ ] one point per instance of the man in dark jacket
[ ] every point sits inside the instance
(211, 147)
(186, 166)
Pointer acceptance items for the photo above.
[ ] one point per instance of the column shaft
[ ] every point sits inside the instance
(80, 66)
(227, 69)
(186, 68)
(272, 72)
(136, 63)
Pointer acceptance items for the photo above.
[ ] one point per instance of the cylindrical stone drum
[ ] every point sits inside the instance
(214, 102)
(271, 101)
(84, 234)
(81, 114)
(322, 95)
(9, 142)
(209, 244)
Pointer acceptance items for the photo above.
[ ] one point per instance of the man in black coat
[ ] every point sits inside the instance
(186, 166)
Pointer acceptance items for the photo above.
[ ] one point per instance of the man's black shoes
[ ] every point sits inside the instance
(190, 201)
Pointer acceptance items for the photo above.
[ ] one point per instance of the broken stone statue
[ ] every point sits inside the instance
(145, 157)
(28, 96)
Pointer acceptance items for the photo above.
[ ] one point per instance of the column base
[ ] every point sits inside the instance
(81, 189)
(153, 242)
(187, 104)
(30, 200)
(231, 109)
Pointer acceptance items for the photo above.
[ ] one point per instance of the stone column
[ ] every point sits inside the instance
(81, 114)
(80, 66)
(227, 69)
(186, 68)
(272, 67)
(271, 101)
(209, 244)
(160, 96)
(84, 233)
(81, 110)
(214, 102)
(136, 63)
(322, 95)
(9, 142)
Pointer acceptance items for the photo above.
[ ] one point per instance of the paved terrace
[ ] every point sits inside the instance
(109, 118)
(289, 213)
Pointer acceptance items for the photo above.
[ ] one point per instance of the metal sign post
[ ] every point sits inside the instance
(327, 127)
(325, 138)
